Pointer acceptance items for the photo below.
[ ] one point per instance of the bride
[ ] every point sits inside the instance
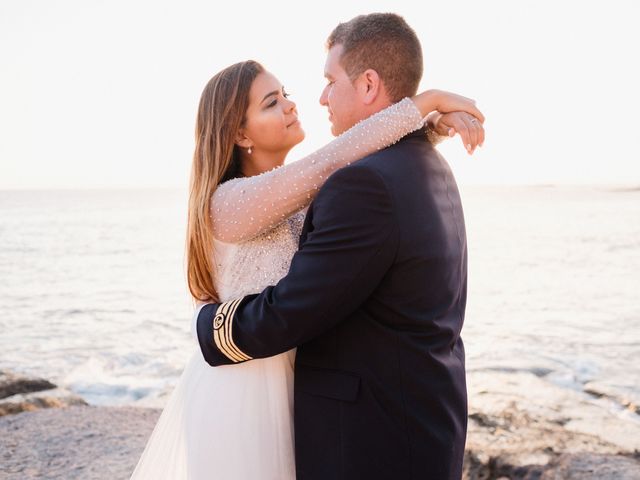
(245, 214)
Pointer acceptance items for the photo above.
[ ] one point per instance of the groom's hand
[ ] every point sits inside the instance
(466, 125)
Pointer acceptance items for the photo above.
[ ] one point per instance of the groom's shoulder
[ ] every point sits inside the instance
(362, 171)
(398, 158)
(363, 179)
(414, 143)
(382, 167)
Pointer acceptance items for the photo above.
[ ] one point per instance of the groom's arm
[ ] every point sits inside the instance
(349, 249)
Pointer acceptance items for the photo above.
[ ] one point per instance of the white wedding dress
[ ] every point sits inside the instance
(235, 422)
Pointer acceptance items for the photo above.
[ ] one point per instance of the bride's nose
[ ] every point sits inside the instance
(290, 105)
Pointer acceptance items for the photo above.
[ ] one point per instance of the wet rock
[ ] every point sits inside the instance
(54, 398)
(19, 393)
(601, 391)
(12, 384)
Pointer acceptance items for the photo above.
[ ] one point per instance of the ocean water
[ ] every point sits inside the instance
(92, 290)
(93, 294)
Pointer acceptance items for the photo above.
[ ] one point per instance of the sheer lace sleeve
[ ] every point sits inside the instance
(245, 207)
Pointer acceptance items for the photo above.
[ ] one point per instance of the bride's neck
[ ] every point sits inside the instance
(260, 162)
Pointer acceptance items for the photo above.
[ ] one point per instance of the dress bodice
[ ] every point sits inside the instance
(250, 266)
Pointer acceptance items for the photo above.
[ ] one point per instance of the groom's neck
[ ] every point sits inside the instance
(367, 110)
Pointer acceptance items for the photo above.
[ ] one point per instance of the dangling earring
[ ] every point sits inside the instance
(249, 151)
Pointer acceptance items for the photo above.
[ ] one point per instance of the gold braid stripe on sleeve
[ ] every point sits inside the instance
(222, 330)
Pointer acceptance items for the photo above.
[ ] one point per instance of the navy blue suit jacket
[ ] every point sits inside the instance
(374, 300)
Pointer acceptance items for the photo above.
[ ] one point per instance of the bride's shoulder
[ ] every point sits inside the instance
(225, 191)
(239, 185)
(228, 183)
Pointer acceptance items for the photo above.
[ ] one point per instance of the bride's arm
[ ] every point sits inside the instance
(244, 207)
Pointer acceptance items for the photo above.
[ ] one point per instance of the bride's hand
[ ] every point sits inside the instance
(445, 102)
(471, 131)
(449, 113)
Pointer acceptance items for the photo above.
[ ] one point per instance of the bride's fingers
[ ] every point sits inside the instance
(473, 133)
(477, 131)
(480, 128)
(463, 131)
(473, 110)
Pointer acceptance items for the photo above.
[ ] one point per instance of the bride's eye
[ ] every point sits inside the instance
(272, 104)
(285, 94)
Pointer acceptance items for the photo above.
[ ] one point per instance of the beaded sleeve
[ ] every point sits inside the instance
(242, 208)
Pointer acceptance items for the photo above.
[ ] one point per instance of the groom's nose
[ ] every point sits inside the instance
(324, 97)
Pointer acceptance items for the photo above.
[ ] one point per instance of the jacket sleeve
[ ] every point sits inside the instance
(350, 245)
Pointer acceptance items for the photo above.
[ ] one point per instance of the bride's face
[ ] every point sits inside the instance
(272, 124)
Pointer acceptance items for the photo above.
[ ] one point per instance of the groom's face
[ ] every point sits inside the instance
(340, 96)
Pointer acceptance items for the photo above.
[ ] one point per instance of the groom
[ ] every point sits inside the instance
(375, 297)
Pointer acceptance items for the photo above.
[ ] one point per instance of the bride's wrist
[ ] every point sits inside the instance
(432, 119)
(426, 101)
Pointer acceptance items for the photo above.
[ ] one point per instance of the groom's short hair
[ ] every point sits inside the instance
(385, 43)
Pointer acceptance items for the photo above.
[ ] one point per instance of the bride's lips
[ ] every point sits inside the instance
(295, 122)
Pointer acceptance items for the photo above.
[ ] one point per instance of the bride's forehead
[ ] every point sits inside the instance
(264, 83)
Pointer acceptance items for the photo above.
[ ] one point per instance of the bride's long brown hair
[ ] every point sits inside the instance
(216, 158)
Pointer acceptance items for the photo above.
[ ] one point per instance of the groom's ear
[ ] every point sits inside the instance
(369, 86)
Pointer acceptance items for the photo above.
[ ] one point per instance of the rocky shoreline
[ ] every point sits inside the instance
(521, 426)
(19, 393)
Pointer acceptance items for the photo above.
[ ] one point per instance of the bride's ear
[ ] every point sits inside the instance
(242, 140)
(369, 86)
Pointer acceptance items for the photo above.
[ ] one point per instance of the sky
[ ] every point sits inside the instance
(103, 94)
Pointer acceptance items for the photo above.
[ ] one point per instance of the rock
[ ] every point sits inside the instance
(521, 426)
(19, 393)
(54, 398)
(476, 466)
(593, 467)
(12, 384)
(88, 443)
(601, 391)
